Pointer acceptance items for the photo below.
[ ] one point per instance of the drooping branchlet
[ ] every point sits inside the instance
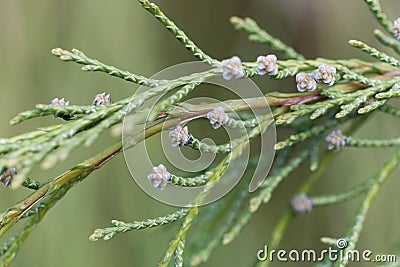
(7, 176)
(217, 117)
(302, 203)
(305, 82)
(180, 136)
(232, 68)
(396, 28)
(326, 74)
(336, 140)
(267, 65)
(160, 177)
(101, 99)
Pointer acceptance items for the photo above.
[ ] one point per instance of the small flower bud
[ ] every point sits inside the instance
(326, 74)
(396, 28)
(101, 99)
(336, 140)
(160, 177)
(232, 68)
(7, 176)
(305, 82)
(180, 136)
(59, 102)
(267, 65)
(217, 117)
(302, 203)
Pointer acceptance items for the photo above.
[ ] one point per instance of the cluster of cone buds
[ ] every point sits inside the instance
(99, 99)
(308, 81)
(180, 137)
(232, 68)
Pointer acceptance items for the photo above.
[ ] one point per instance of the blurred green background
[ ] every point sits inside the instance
(121, 33)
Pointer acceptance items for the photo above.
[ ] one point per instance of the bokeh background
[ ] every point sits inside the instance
(121, 33)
